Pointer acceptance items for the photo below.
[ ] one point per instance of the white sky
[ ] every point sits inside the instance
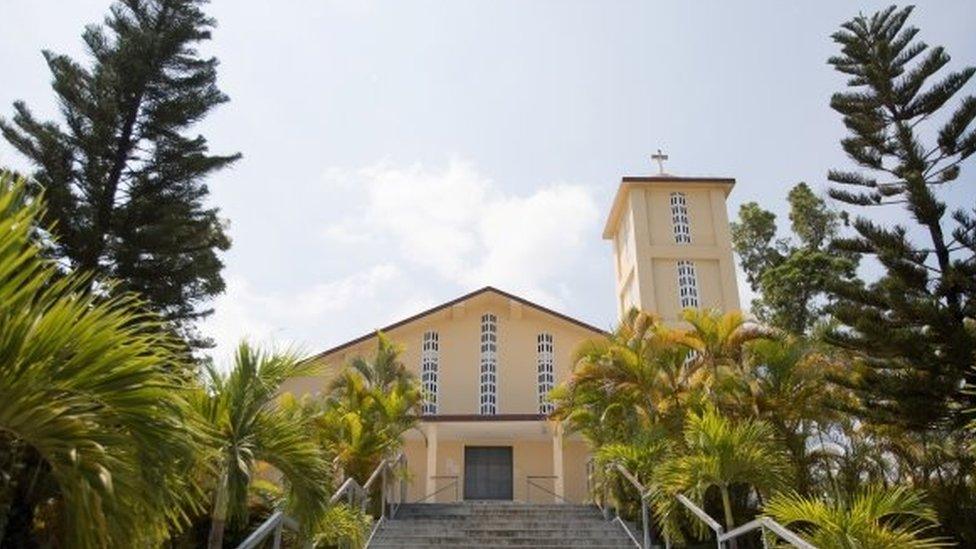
(398, 154)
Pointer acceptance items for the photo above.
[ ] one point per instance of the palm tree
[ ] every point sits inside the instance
(783, 382)
(641, 456)
(875, 517)
(249, 426)
(368, 407)
(636, 377)
(721, 453)
(383, 372)
(719, 340)
(94, 428)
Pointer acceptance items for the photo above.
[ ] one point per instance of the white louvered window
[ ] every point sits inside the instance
(679, 218)
(429, 354)
(546, 363)
(489, 365)
(687, 284)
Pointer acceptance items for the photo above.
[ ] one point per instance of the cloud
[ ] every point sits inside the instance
(410, 237)
(460, 225)
(313, 316)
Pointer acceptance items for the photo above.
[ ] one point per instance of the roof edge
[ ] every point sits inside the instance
(451, 303)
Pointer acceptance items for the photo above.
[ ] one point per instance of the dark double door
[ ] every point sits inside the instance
(488, 472)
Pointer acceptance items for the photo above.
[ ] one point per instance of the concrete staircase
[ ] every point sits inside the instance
(499, 524)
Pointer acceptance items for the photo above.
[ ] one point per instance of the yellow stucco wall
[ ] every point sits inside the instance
(645, 251)
(459, 359)
(459, 329)
(530, 458)
(645, 261)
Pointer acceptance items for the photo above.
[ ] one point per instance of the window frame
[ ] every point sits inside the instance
(429, 374)
(488, 365)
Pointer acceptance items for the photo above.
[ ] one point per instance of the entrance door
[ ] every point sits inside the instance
(488, 472)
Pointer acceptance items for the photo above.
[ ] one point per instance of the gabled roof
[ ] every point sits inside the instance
(451, 303)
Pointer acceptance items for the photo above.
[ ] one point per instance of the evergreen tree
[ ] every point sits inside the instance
(907, 326)
(790, 274)
(123, 178)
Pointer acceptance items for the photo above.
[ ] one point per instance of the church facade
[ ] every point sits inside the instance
(488, 359)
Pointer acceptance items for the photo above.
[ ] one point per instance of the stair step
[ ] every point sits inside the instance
(508, 542)
(499, 524)
(398, 545)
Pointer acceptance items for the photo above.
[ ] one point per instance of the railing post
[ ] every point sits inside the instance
(606, 492)
(276, 543)
(646, 519)
(383, 483)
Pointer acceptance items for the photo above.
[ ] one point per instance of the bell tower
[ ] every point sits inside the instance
(672, 245)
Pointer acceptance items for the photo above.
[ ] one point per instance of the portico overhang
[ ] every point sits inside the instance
(486, 427)
(490, 430)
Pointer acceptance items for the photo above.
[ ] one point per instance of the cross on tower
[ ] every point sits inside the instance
(659, 158)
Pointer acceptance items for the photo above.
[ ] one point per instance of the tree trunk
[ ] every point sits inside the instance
(218, 519)
(727, 506)
(18, 528)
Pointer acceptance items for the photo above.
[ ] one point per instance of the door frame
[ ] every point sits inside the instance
(511, 463)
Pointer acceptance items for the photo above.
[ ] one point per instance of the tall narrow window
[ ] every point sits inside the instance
(489, 364)
(687, 284)
(428, 371)
(546, 362)
(679, 218)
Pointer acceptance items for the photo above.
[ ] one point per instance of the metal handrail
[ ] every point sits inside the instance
(529, 484)
(604, 502)
(351, 490)
(453, 484)
(761, 523)
(645, 508)
(272, 526)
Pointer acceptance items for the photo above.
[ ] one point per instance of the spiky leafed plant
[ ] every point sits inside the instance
(783, 382)
(641, 456)
(636, 377)
(720, 453)
(876, 517)
(250, 426)
(95, 425)
(368, 407)
(719, 339)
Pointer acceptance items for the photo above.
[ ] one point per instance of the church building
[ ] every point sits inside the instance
(488, 359)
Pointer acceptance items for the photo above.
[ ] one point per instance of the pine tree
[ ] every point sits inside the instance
(123, 177)
(907, 326)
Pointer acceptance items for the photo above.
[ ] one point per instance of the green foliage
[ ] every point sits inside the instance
(742, 414)
(791, 276)
(366, 411)
(640, 376)
(909, 136)
(876, 517)
(340, 526)
(123, 176)
(719, 453)
(97, 432)
(249, 426)
(907, 326)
